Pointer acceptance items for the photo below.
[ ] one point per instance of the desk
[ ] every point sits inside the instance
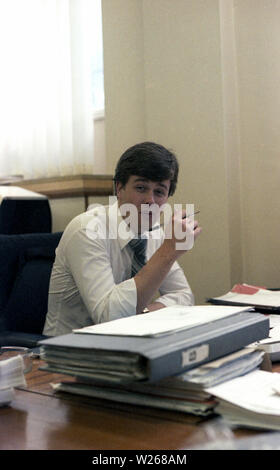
(38, 419)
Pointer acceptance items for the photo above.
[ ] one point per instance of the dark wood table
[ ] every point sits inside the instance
(38, 419)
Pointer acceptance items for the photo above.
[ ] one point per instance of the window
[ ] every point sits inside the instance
(97, 75)
(51, 80)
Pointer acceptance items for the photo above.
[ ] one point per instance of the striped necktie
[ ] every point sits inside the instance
(138, 245)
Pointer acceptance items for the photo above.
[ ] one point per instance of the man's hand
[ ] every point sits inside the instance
(181, 233)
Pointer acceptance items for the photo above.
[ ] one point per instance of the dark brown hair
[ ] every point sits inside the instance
(148, 160)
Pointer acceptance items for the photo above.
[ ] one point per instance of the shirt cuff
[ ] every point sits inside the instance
(176, 299)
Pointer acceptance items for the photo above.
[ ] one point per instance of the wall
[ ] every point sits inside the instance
(184, 111)
(65, 209)
(258, 45)
(177, 44)
(202, 78)
(123, 76)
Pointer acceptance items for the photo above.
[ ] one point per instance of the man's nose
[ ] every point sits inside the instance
(150, 198)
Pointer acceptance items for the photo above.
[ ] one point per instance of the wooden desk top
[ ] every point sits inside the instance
(38, 419)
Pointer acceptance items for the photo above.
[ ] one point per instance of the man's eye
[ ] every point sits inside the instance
(140, 188)
(160, 193)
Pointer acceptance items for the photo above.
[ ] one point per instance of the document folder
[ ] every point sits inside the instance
(262, 299)
(123, 359)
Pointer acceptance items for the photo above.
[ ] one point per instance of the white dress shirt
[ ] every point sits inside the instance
(91, 277)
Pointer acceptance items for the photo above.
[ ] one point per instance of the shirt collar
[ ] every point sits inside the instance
(118, 227)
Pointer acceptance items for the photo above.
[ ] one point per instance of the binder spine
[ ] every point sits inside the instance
(199, 353)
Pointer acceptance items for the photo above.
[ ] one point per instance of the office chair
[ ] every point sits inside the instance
(25, 268)
(19, 215)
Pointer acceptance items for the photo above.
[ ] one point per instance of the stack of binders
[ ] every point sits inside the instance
(134, 360)
(185, 392)
(155, 345)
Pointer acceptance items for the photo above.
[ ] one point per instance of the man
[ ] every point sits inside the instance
(98, 274)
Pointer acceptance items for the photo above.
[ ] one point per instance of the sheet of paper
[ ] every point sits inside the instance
(223, 360)
(274, 337)
(271, 344)
(254, 391)
(163, 321)
(274, 320)
(261, 297)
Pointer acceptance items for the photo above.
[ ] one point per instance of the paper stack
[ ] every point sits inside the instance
(260, 298)
(185, 392)
(223, 369)
(11, 375)
(252, 400)
(169, 399)
(271, 345)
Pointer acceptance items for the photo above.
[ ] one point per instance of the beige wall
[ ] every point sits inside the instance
(65, 209)
(123, 76)
(184, 111)
(202, 78)
(179, 51)
(258, 45)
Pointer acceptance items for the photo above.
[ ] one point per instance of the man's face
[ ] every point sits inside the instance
(139, 191)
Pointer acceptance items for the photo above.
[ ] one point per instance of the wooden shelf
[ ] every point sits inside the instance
(70, 186)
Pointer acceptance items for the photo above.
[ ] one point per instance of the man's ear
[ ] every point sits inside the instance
(119, 186)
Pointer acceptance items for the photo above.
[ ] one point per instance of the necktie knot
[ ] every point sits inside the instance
(138, 246)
